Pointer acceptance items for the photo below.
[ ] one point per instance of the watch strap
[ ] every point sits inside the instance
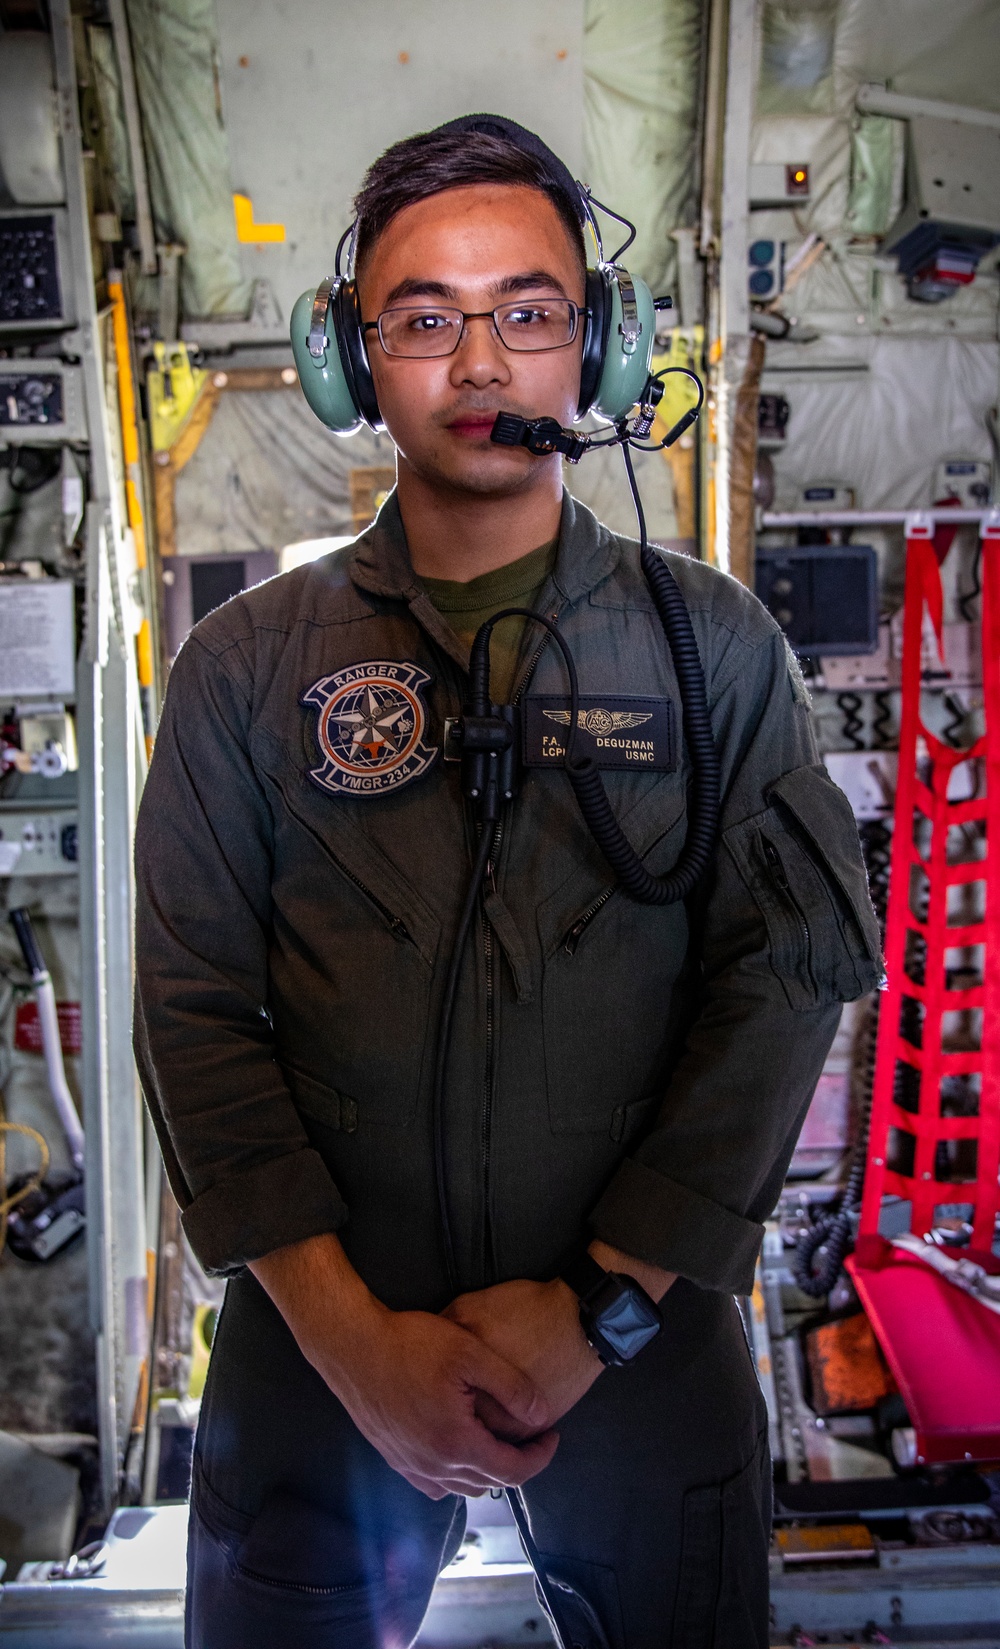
(584, 1275)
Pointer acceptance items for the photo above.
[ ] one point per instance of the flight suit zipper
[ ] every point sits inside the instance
(576, 932)
(780, 878)
(486, 1117)
(397, 927)
(298, 1586)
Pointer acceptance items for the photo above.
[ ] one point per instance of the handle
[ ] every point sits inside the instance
(48, 1020)
(33, 958)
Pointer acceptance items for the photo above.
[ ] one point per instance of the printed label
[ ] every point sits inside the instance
(616, 732)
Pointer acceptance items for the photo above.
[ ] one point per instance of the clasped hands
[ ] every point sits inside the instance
(457, 1403)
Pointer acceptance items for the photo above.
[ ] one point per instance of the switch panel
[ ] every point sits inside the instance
(38, 843)
(33, 258)
(41, 402)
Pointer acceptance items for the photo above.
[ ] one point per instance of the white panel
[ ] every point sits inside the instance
(313, 91)
(36, 638)
(883, 429)
(29, 124)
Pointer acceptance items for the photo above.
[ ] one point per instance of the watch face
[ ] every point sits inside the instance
(627, 1320)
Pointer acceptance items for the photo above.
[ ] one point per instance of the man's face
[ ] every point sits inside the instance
(471, 249)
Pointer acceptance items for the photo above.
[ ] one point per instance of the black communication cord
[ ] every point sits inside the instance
(444, 1046)
(485, 735)
(594, 1635)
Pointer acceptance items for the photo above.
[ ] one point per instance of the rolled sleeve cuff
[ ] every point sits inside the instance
(666, 1224)
(250, 1214)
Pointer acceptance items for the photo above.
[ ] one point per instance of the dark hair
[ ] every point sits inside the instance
(431, 162)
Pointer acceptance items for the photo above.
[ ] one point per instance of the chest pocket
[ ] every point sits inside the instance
(354, 945)
(611, 1008)
(801, 860)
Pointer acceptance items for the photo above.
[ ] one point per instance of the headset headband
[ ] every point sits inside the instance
(578, 194)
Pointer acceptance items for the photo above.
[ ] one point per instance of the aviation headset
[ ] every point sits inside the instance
(329, 343)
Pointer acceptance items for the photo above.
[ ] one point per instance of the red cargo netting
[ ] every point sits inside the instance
(934, 1140)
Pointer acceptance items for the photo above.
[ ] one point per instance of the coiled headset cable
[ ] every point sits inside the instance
(543, 436)
(485, 736)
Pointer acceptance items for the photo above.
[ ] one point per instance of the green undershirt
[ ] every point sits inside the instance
(467, 606)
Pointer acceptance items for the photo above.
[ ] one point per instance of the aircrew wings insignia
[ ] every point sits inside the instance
(601, 722)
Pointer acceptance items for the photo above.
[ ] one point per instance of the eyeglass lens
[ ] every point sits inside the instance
(425, 331)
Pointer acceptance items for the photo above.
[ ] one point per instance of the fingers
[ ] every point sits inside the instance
(433, 1491)
(511, 1388)
(436, 1489)
(463, 1313)
(498, 1421)
(500, 1465)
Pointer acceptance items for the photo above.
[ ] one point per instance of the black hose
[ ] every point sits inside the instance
(850, 704)
(831, 1236)
(882, 722)
(965, 602)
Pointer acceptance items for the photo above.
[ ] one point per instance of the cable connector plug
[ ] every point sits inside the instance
(652, 395)
(541, 436)
(681, 425)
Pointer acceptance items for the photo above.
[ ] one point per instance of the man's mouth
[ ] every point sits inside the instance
(472, 426)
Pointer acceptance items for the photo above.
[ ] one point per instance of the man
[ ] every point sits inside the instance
(626, 1075)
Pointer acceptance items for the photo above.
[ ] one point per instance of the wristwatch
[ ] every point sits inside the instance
(616, 1314)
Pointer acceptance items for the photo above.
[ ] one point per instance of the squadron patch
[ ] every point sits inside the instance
(615, 732)
(371, 727)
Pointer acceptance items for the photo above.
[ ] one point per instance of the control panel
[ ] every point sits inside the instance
(31, 263)
(37, 843)
(41, 403)
(824, 596)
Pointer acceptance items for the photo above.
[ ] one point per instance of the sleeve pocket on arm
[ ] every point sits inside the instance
(801, 860)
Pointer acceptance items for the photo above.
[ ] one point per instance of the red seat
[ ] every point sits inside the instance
(943, 1348)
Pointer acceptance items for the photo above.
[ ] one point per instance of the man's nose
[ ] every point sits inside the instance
(480, 357)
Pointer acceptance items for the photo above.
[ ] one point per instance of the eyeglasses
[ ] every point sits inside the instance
(422, 331)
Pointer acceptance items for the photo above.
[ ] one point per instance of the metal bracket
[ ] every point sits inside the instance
(318, 340)
(630, 325)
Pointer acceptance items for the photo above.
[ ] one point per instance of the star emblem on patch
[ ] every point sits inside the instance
(370, 727)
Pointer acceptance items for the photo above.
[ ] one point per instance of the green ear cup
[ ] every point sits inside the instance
(622, 376)
(324, 384)
(630, 347)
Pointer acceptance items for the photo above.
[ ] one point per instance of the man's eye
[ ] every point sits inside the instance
(527, 316)
(429, 323)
